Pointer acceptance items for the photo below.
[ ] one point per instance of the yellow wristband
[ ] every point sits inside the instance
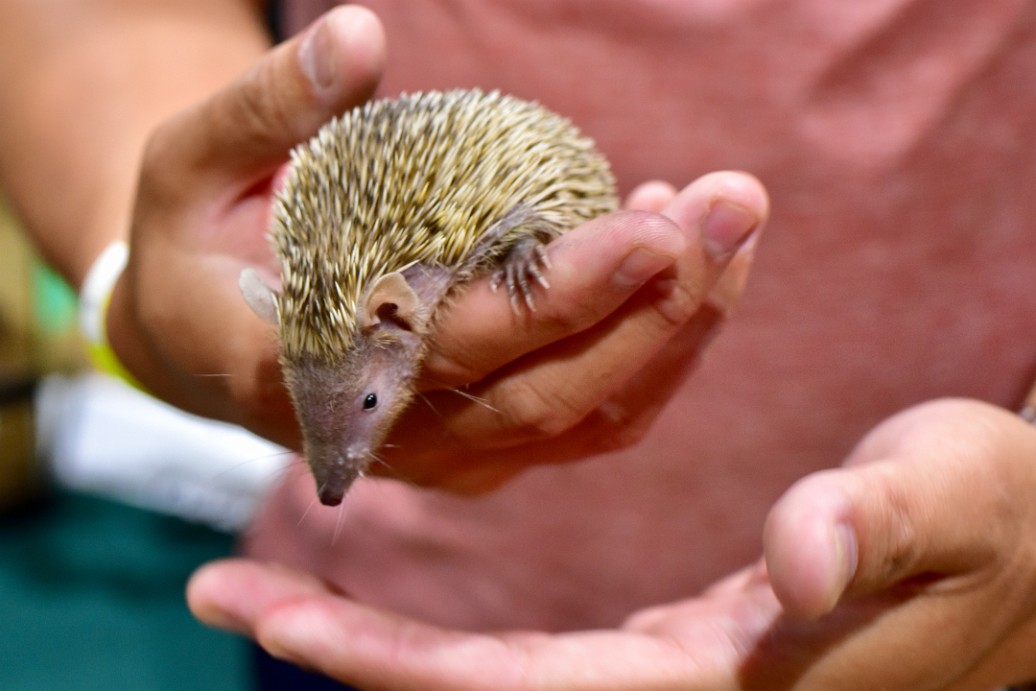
(94, 300)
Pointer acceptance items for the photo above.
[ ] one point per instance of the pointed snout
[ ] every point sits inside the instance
(335, 473)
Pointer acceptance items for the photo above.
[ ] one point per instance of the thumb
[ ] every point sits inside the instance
(244, 132)
(939, 491)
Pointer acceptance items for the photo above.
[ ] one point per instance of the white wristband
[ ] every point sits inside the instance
(97, 292)
(94, 299)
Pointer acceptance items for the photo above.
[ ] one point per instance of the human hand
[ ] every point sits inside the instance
(634, 298)
(588, 369)
(177, 318)
(911, 567)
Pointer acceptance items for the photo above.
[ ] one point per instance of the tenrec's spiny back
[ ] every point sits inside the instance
(419, 179)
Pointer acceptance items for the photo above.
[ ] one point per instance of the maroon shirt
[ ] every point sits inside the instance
(898, 141)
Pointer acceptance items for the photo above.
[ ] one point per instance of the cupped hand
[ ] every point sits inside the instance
(634, 295)
(911, 567)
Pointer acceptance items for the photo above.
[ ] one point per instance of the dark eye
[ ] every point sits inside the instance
(370, 401)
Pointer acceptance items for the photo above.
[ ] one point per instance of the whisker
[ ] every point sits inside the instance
(428, 402)
(476, 399)
(460, 392)
(225, 375)
(256, 459)
(309, 507)
(339, 521)
(276, 474)
(380, 461)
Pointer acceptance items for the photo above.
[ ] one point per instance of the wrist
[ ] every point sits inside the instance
(132, 345)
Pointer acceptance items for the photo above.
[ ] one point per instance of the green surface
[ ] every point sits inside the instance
(55, 302)
(91, 597)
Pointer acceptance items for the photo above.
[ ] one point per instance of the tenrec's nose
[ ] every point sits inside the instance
(335, 477)
(331, 494)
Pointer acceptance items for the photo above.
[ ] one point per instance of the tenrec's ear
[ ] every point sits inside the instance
(391, 298)
(259, 296)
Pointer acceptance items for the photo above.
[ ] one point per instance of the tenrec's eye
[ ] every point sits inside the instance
(370, 401)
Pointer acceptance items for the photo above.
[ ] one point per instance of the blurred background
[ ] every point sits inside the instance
(108, 501)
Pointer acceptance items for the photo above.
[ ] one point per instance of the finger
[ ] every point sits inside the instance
(289, 613)
(592, 406)
(216, 152)
(599, 266)
(594, 269)
(896, 512)
(249, 127)
(654, 196)
(385, 650)
(549, 391)
(233, 593)
(391, 652)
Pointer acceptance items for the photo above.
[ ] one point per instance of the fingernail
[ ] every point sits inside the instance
(846, 550)
(276, 648)
(224, 619)
(315, 56)
(639, 266)
(726, 228)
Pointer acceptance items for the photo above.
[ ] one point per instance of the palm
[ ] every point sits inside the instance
(923, 595)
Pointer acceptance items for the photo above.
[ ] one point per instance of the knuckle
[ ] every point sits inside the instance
(258, 108)
(160, 178)
(568, 316)
(567, 321)
(896, 545)
(607, 426)
(535, 416)
(677, 302)
(255, 111)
